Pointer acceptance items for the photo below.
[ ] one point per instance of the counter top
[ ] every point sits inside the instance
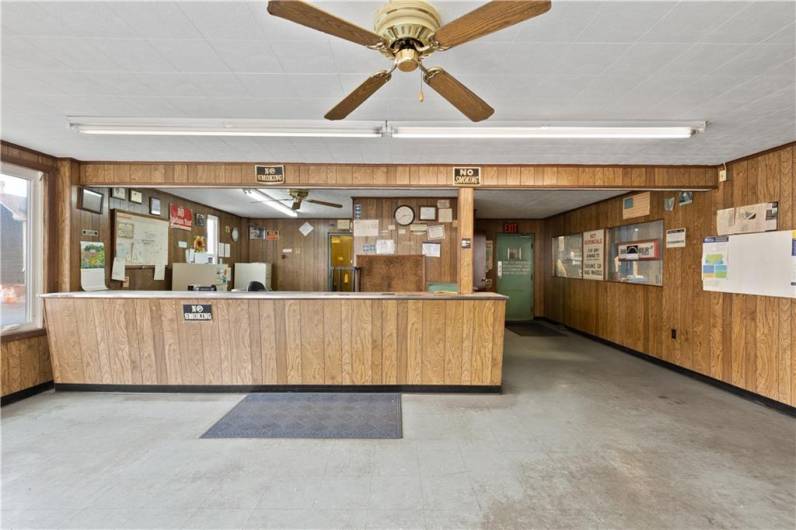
(274, 295)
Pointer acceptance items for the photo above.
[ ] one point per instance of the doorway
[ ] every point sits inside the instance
(341, 262)
(515, 274)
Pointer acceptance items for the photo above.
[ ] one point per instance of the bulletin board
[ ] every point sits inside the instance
(141, 240)
(761, 264)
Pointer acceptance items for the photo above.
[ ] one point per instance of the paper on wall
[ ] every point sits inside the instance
(305, 229)
(93, 279)
(160, 272)
(436, 232)
(445, 215)
(117, 272)
(385, 246)
(344, 224)
(594, 254)
(675, 238)
(431, 250)
(715, 260)
(490, 248)
(725, 219)
(366, 228)
(443, 203)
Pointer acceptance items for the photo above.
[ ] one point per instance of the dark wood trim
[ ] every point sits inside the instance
(414, 389)
(19, 335)
(738, 391)
(25, 393)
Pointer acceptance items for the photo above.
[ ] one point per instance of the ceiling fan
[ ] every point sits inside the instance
(297, 197)
(408, 31)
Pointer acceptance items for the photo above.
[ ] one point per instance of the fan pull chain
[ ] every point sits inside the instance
(420, 96)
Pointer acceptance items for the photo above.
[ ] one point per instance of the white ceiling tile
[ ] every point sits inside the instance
(693, 17)
(759, 21)
(226, 59)
(193, 55)
(624, 21)
(75, 53)
(225, 20)
(156, 20)
(247, 56)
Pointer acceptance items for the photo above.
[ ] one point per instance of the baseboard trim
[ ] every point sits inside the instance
(25, 393)
(727, 387)
(413, 389)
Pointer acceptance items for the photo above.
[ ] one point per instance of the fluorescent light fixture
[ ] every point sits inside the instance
(267, 199)
(196, 127)
(609, 132)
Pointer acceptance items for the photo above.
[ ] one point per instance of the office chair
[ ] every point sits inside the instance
(256, 286)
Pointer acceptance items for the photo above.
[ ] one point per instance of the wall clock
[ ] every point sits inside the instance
(235, 234)
(404, 215)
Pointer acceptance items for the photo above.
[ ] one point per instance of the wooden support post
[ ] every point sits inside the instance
(465, 206)
(64, 178)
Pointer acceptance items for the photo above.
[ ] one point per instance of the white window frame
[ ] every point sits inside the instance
(212, 243)
(34, 252)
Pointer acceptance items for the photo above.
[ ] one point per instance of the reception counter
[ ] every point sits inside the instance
(162, 340)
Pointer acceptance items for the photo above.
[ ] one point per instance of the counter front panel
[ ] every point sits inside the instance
(273, 340)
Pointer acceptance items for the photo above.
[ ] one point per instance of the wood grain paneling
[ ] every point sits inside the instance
(25, 363)
(300, 342)
(305, 266)
(743, 340)
(366, 175)
(442, 269)
(141, 278)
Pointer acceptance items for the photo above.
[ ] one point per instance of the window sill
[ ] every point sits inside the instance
(13, 335)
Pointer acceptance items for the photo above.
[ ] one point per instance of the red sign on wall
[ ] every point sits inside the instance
(511, 228)
(180, 217)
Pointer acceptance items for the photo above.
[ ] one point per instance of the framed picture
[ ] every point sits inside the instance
(136, 197)
(91, 200)
(119, 193)
(686, 197)
(428, 213)
(154, 206)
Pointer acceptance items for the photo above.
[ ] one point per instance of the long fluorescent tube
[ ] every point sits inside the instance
(546, 132)
(194, 127)
(269, 200)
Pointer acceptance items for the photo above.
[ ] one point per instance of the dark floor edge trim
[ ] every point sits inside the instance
(26, 393)
(415, 389)
(727, 387)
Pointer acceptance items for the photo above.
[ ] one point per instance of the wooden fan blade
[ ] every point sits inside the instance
(358, 96)
(457, 94)
(324, 203)
(308, 15)
(490, 17)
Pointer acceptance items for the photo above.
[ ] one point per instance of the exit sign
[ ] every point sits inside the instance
(511, 228)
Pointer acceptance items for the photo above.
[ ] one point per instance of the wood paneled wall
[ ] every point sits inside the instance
(746, 341)
(25, 358)
(442, 269)
(267, 342)
(305, 267)
(341, 175)
(142, 278)
(492, 227)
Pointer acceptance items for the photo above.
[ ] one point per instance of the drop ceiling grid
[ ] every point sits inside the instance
(109, 60)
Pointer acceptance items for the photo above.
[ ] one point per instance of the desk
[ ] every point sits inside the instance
(269, 340)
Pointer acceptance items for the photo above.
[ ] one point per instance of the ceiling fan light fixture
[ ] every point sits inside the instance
(269, 200)
(199, 127)
(552, 132)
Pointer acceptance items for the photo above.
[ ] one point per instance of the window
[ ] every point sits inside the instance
(21, 247)
(212, 237)
(568, 256)
(634, 253)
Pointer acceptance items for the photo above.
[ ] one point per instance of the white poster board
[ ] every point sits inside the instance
(594, 255)
(140, 240)
(761, 264)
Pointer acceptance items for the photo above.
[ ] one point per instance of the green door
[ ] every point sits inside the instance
(515, 274)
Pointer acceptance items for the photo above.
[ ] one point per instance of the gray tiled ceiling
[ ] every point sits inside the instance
(730, 63)
(489, 204)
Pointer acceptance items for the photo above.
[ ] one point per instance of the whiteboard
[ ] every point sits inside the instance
(140, 240)
(761, 264)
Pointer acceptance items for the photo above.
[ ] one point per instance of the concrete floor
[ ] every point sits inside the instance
(583, 437)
